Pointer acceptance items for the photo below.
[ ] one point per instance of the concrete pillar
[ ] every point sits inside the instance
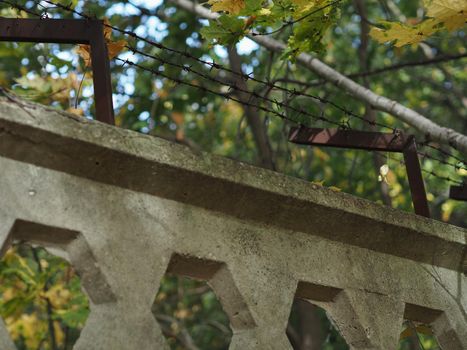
(450, 330)
(270, 305)
(5, 340)
(367, 320)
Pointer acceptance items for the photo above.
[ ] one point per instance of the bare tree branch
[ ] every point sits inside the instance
(439, 59)
(420, 122)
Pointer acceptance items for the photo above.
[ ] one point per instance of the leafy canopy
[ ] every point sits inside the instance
(310, 19)
(443, 14)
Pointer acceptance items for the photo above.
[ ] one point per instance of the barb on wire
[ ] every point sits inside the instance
(440, 150)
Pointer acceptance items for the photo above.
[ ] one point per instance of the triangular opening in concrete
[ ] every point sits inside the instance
(416, 335)
(190, 314)
(198, 303)
(309, 327)
(417, 332)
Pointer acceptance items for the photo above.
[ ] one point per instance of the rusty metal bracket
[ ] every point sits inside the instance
(372, 141)
(70, 31)
(458, 192)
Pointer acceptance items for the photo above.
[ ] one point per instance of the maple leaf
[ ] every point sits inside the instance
(449, 14)
(84, 51)
(452, 13)
(231, 6)
(402, 34)
(113, 47)
(306, 6)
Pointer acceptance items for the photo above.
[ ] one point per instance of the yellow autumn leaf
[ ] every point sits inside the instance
(231, 6)
(452, 13)
(179, 119)
(402, 34)
(84, 51)
(306, 6)
(421, 329)
(107, 30)
(444, 8)
(318, 152)
(113, 47)
(76, 111)
(449, 14)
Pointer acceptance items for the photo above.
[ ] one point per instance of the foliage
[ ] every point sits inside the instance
(312, 19)
(443, 14)
(40, 291)
(189, 311)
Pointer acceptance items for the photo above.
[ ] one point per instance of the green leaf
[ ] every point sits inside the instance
(226, 30)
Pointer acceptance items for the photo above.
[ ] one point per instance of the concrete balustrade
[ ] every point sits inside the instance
(126, 208)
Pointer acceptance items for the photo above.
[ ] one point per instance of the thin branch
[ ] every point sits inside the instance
(440, 59)
(420, 122)
(53, 338)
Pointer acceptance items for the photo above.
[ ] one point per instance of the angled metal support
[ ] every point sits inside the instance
(458, 192)
(372, 141)
(70, 31)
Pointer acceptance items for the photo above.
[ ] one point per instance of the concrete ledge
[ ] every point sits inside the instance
(34, 134)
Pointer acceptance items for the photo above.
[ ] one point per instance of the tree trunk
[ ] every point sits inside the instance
(252, 114)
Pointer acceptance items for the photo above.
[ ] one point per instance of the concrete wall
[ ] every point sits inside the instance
(125, 208)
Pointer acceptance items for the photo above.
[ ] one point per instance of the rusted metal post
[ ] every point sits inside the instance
(372, 141)
(70, 31)
(414, 175)
(458, 192)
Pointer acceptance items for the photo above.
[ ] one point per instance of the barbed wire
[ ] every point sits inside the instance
(203, 88)
(246, 77)
(440, 150)
(292, 92)
(177, 80)
(430, 172)
(457, 166)
(444, 178)
(252, 94)
(213, 65)
(21, 8)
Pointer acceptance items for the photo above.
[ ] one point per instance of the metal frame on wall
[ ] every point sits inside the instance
(372, 141)
(70, 31)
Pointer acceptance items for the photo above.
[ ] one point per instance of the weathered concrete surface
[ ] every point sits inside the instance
(126, 208)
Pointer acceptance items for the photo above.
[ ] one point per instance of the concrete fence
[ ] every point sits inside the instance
(126, 208)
